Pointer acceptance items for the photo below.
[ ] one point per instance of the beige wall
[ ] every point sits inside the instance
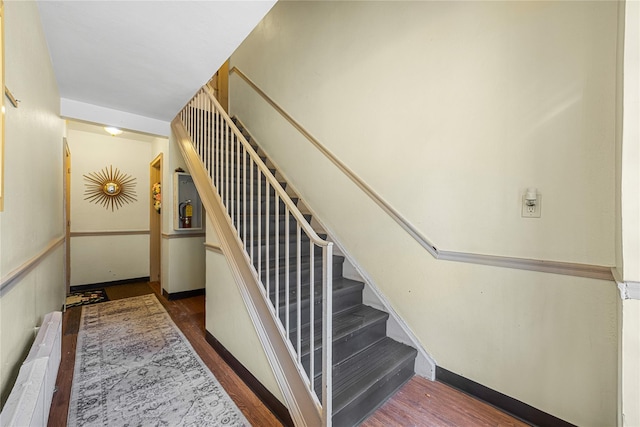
(96, 259)
(630, 368)
(32, 216)
(183, 256)
(450, 110)
(108, 257)
(228, 319)
(628, 224)
(630, 145)
(487, 98)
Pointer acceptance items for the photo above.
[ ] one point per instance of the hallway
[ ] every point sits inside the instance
(419, 403)
(188, 315)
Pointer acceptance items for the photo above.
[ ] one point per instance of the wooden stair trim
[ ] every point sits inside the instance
(302, 405)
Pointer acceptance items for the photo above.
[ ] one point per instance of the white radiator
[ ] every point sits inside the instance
(30, 399)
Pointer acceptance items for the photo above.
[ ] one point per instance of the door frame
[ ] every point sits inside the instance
(66, 215)
(155, 222)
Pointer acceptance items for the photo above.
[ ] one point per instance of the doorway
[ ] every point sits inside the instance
(155, 220)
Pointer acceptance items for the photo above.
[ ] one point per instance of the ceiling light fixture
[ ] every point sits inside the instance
(112, 131)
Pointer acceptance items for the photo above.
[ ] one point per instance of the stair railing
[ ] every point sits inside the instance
(244, 182)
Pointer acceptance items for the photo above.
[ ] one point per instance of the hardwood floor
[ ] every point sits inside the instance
(418, 403)
(421, 402)
(188, 315)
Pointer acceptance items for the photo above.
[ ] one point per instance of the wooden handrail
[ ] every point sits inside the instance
(223, 154)
(555, 267)
(282, 194)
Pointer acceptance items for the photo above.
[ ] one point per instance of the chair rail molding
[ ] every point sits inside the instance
(538, 265)
(213, 248)
(183, 235)
(100, 233)
(14, 276)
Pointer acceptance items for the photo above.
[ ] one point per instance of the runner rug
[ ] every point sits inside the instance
(135, 368)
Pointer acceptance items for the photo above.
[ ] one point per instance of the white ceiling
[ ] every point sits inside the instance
(147, 58)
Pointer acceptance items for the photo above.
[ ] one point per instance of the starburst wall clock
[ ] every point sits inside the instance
(110, 188)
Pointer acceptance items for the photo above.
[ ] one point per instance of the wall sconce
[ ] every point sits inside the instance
(531, 203)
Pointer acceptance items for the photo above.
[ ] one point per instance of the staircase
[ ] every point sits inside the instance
(368, 366)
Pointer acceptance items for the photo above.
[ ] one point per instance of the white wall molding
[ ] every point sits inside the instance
(182, 235)
(77, 110)
(213, 248)
(10, 280)
(629, 290)
(543, 266)
(108, 233)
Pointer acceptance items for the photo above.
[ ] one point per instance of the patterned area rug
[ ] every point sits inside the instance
(86, 297)
(135, 368)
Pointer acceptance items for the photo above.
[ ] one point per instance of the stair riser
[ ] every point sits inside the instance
(304, 280)
(252, 209)
(293, 251)
(371, 399)
(262, 223)
(263, 197)
(281, 238)
(262, 208)
(244, 164)
(259, 237)
(340, 302)
(233, 183)
(304, 273)
(259, 246)
(348, 346)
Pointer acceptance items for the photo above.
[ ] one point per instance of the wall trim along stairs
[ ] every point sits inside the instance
(99, 233)
(544, 266)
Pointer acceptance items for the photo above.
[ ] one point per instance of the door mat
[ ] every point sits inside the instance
(86, 297)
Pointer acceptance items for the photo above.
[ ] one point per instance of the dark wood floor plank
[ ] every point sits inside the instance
(60, 402)
(71, 321)
(421, 402)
